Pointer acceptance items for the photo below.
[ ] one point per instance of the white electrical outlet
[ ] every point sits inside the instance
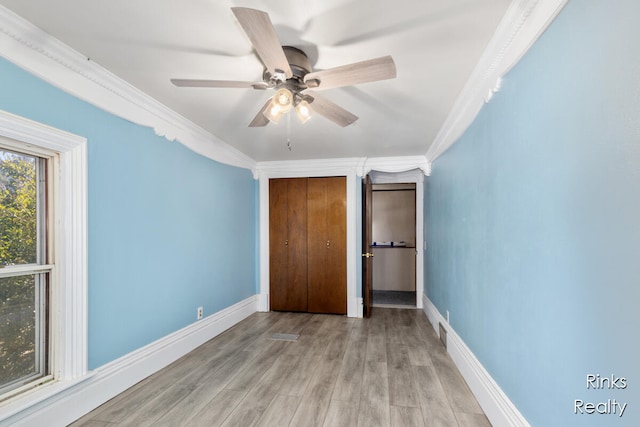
(200, 313)
(447, 316)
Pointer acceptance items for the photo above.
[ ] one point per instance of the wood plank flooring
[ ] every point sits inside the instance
(389, 370)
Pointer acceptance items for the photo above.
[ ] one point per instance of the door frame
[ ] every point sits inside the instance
(367, 235)
(309, 169)
(410, 177)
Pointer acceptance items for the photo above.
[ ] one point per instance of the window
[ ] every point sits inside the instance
(54, 280)
(24, 271)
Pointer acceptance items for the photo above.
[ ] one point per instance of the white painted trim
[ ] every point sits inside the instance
(329, 167)
(360, 307)
(499, 409)
(71, 261)
(263, 302)
(115, 377)
(400, 177)
(308, 168)
(352, 260)
(419, 241)
(521, 26)
(263, 297)
(69, 274)
(394, 164)
(54, 62)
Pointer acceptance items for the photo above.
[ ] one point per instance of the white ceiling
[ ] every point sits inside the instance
(435, 45)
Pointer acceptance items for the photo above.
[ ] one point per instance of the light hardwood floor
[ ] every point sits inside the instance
(389, 370)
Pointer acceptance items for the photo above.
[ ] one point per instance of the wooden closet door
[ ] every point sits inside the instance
(327, 245)
(288, 244)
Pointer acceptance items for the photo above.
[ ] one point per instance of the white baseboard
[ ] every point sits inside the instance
(494, 402)
(115, 377)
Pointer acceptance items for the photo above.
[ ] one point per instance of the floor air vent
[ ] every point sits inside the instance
(285, 337)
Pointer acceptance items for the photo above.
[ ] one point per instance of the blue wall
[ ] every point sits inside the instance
(169, 230)
(532, 221)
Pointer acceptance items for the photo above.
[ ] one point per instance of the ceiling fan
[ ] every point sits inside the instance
(288, 71)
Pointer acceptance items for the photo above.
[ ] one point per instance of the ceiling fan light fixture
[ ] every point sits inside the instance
(283, 100)
(303, 110)
(273, 113)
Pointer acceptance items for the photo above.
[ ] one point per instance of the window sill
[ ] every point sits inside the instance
(37, 396)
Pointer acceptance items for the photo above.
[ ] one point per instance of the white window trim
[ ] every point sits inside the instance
(69, 300)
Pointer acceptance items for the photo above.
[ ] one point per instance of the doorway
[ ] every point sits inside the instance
(392, 262)
(394, 245)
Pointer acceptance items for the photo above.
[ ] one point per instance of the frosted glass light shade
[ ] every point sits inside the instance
(283, 100)
(303, 110)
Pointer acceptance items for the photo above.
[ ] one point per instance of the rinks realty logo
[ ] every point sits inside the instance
(611, 406)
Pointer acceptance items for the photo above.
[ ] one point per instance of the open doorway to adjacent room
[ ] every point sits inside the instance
(393, 240)
(394, 245)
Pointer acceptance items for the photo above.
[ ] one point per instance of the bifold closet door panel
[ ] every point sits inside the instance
(288, 244)
(326, 245)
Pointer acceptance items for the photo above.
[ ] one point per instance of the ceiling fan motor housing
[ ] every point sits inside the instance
(300, 66)
(298, 61)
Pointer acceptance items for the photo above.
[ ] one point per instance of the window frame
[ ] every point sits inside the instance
(67, 223)
(41, 269)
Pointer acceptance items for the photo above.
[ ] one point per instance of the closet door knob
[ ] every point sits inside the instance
(328, 243)
(286, 242)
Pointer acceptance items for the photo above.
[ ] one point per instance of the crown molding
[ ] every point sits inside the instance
(396, 164)
(307, 168)
(39, 53)
(410, 176)
(343, 166)
(522, 24)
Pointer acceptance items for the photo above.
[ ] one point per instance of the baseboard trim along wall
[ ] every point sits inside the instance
(494, 402)
(113, 378)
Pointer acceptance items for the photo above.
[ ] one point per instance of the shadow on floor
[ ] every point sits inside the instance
(394, 298)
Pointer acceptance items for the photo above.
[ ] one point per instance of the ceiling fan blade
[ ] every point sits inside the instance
(260, 119)
(219, 83)
(329, 109)
(360, 72)
(259, 28)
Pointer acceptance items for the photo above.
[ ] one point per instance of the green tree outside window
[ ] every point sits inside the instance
(18, 246)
